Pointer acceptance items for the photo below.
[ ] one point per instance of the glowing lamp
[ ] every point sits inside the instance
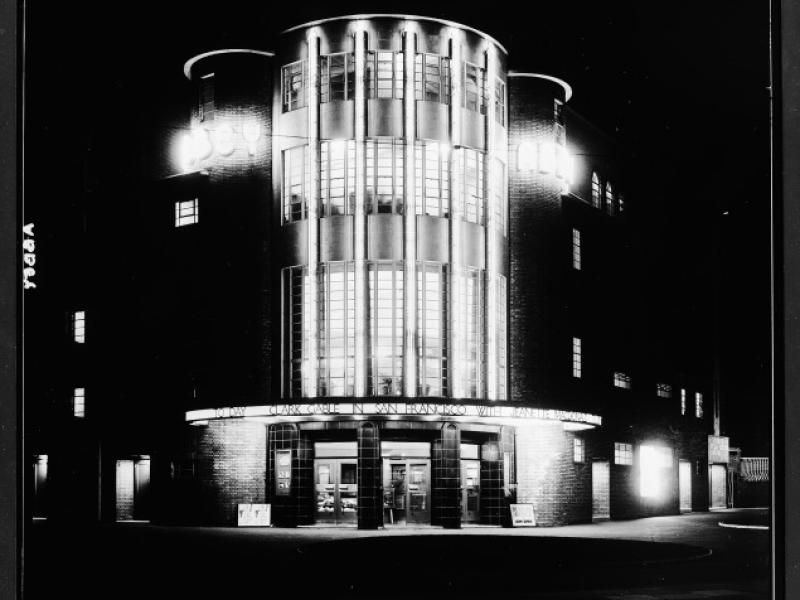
(251, 131)
(526, 156)
(547, 157)
(201, 144)
(653, 462)
(223, 136)
(186, 156)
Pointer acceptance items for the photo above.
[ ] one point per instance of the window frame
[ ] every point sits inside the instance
(596, 190)
(622, 380)
(623, 454)
(698, 405)
(500, 102)
(376, 58)
(206, 105)
(577, 256)
(480, 77)
(577, 357)
(79, 402)
(187, 212)
(423, 77)
(289, 155)
(293, 99)
(663, 390)
(326, 78)
(78, 321)
(578, 450)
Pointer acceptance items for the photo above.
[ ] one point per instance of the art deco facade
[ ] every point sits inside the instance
(377, 289)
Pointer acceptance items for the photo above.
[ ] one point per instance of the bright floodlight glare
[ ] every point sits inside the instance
(223, 136)
(653, 462)
(547, 157)
(201, 143)
(186, 155)
(251, 131)
(526, 156)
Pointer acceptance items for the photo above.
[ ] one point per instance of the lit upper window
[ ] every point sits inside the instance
(578, 450)
(432, 326)
(683, 401)
(623, 454)
(558, 112)
(473, 185)
(474, 84)
(384, 75)
(338, 177)
(432, 179)
(432, 78)
(595, 190)
(385, 290)
(79, 402)
(79, 326)
(337, 80)
(205, 108)
(576, 249)
(294, 184)
(576, 357)
(499, 199)
(698, 405)
(621, 380)
(664, 390)
(384, 173)
(500, 102)
(609, 198)
(186, 212)
(620, 204)
(293, 80)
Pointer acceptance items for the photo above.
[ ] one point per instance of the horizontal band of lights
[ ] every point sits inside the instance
(393, 409)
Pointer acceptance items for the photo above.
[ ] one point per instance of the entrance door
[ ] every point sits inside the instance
(470, 491)
(718, 485)
(337, 490)
(406, 488)
(601, 503)
(685, 485)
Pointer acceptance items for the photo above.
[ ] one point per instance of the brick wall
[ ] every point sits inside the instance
(559, 489)
(231, 467)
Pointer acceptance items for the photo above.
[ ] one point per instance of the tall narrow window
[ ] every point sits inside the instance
(293, 79)
(385, 280)
(294, 184)
(558, 117)
(471, 324)
(79, 326)
(499, 200)
(186, 212)
(578, 450)
(576, 249)
(337, 331)
(385, 173)
(698, 405)
(577, 357)
(474, 83)
(663, 390)
(474, 189)
(432, 78)
(595, 191)
(502, 328)
(620, 204)
(432, 329)
(384, 75)
(337, 79)
(683, 401)
(79, 402)
(205, 109)
(338, 177)
(500, 102)
(432, 172)
(609, 198)
(295, 287)
(622, 380)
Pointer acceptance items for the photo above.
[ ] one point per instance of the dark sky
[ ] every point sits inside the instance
(682, 85)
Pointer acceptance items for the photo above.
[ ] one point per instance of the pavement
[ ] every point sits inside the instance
(684, 557)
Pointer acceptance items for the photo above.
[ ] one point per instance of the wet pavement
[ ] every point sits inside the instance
(676, 557)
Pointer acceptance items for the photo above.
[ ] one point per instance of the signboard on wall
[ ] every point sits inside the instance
(283, 472)
(254, 515)
(522, 515)
(718, 449)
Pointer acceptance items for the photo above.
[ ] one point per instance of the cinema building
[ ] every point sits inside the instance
(387, 282)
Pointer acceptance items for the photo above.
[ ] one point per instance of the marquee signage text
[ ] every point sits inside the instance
(390, 409)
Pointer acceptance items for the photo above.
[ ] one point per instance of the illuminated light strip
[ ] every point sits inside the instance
(310, 366)
(490, 238)
(328, 410)
(359, 219)
(457, 346)
(369, 16)
(567, 87)
(187, 67)
(410, 221)
(735, 526)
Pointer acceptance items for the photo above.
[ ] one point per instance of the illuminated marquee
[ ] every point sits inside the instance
(391, 409)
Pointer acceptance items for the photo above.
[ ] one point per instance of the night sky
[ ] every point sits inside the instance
(682, 85)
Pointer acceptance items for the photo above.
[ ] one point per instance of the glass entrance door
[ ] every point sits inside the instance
(406, 488)
(470, 491)
(337, 490)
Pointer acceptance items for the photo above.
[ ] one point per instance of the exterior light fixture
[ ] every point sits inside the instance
(526, 156)
(201, 144)
(251, 132)
(547, 157)
(654, 461)
(222, 139)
